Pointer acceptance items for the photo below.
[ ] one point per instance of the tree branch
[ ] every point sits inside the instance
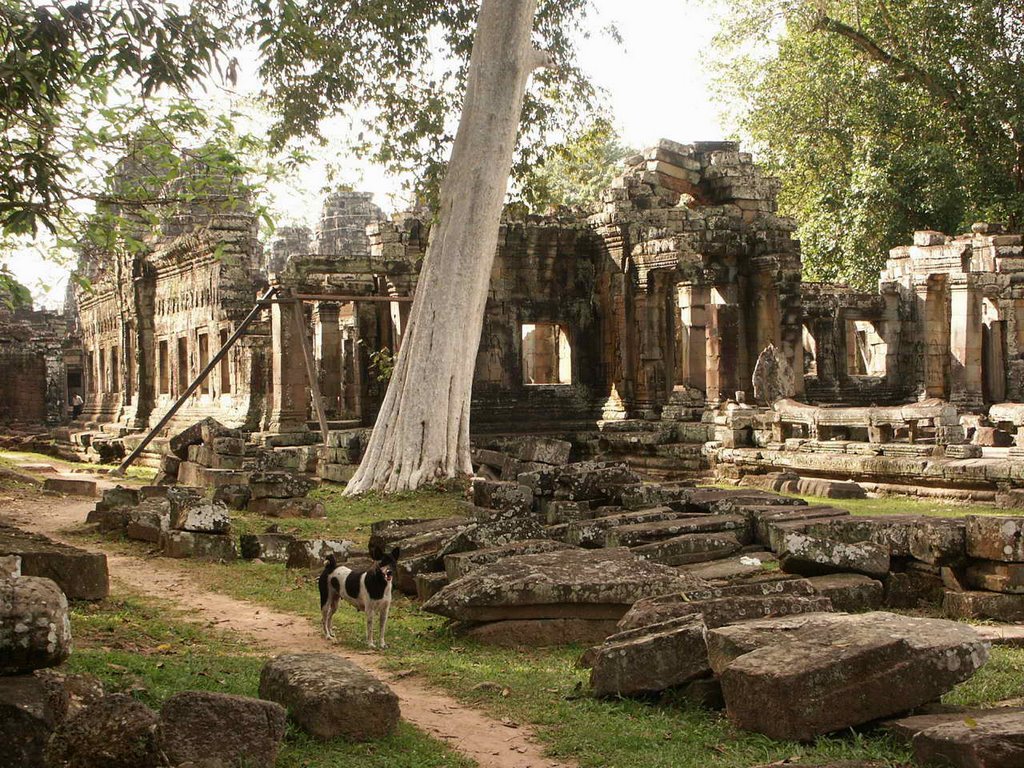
(907, 70)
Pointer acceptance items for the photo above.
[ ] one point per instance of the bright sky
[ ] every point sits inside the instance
(657, 86)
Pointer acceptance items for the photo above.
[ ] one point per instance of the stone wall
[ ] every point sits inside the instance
(33, 389)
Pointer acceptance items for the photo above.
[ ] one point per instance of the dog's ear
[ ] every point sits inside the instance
(395, 553)
(375, 554)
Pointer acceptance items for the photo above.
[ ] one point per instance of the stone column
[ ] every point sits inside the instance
(965, 342)
(722, 330)
(692, 353)
(290, 409)
(327, 351)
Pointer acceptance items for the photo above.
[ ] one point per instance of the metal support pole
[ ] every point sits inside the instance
(119, 472)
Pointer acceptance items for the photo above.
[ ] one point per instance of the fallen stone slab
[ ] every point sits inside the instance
(650, 532)
(10, 566)
(415, 537)
(994, 576)
(890, 531)
(116, 731)
(541, 633)
(235, 731)
(72, 486)
(996, 538)
(508, 497)
(593, 480)
(297, 507)
(978, 739)
(692, 548)
(591, 533)
(824, 488)
(544, 450)
(429, 584)
(119, 496)
(809, 555)
(765, 518)
(916, 585)
(312, 553)
(31, 708)
(203, 546)
(573, 583)
(983, 605)
(35, 627)
(939, 541)
(233, 496)
(801, 677)
(329, 697)
(727, 501)
(268, 547)
(195, 434)
(492, 533)
(458, 564)
(849, 592)
(147, 524)
(211, 517)
(1011, 635)
(278, 485)
(672, 605)
(735, 567)
(650, 660)
(80, 575)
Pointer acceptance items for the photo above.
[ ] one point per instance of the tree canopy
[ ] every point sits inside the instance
(880, 117)
(82, 81)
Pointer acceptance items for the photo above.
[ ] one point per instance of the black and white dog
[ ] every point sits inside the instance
(368, 591)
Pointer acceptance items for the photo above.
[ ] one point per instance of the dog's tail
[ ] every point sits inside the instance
(322, 582)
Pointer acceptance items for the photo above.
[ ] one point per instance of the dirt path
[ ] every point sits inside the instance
(468, 731)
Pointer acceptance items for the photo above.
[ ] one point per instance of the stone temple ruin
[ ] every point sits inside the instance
(628, 351)
(634, 330)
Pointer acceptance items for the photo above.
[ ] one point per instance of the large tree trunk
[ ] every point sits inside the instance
(422, 431)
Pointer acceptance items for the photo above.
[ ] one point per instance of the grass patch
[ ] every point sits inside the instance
(1001, 679)
(350, 518)
(900, 505)
(544, 688)
(143, 647)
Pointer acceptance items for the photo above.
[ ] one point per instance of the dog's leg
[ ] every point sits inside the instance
(369, 625)
(383, 625)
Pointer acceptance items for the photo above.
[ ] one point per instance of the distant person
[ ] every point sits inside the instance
(76, 405)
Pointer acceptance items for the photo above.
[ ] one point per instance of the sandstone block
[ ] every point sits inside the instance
(996, 577)
(35, 628)
(647, 533)
(235, 730)
(571, 583)
(312, 553)
(984, 605)
(939, 541)
(228, 446)
(849, 592)
(71, 486)
(504, 496)
(80, 575)
(31, 708)
(205, 546)
(278, 485)
(541, 633)
(116, 731)
(652, 659)
(996, 538)
(113, 498)
(801, 677)
(691, 548)
(545, 450)
(813, 556)
(232, 496)
(329, 697)
(294, 507)
(212, 517)
(429, 584)
(269, 547)
(458, 564)
(985, 739)
(201, 431)
(146, 525)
